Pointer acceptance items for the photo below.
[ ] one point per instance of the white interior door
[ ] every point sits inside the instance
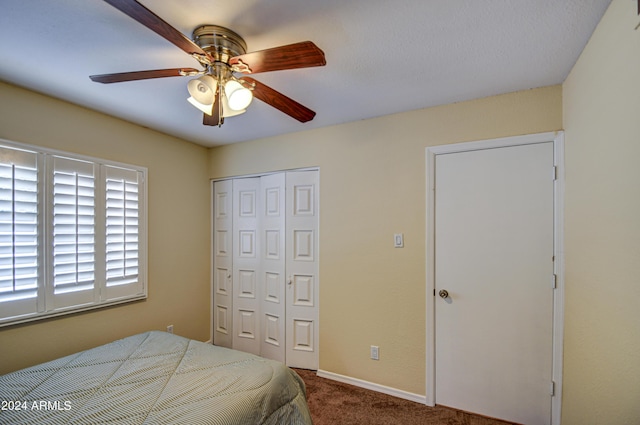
(246, 265)
(222, 263)
(494, 247)
(302, 269)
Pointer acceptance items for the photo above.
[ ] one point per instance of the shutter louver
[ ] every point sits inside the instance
(122, 226)
(73, 226)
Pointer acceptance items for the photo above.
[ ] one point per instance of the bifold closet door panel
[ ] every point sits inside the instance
(222, 309)
(246, 265)
(272, 278)
(302, 269)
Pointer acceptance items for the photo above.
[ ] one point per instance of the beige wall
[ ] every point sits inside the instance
(372, 185)
(179, 217)
(602, 325)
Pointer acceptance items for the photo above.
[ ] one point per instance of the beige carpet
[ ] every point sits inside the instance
(335, 403)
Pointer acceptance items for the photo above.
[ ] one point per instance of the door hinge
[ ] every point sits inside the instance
(552, 388)
(554, 281)
(555, 173)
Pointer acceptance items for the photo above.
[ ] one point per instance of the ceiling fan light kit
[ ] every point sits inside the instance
(207, 108)
(202, 89)
(239, 97)
(217, 92)
(204, 92)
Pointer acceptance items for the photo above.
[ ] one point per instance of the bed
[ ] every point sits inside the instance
(155, 378)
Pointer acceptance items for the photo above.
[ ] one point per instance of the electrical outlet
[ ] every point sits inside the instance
(375, 352)
(170, 329)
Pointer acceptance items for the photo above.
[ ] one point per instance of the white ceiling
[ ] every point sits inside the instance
(383, 56)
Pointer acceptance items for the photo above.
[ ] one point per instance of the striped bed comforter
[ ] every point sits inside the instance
(155, 378)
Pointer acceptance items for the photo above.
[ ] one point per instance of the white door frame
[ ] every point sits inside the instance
(558, 303)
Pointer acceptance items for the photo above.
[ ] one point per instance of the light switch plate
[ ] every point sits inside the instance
(398, 240)
(375, 352)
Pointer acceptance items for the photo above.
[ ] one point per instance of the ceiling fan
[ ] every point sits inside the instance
(222, 53)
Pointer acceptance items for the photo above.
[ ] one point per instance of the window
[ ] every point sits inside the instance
(72, 233)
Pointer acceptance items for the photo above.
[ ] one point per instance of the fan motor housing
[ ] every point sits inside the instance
(220, 42)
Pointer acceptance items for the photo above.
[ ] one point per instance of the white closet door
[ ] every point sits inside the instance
(246, 265)
(272, 277)
(302, 269)
(222, 263)
(266, 266)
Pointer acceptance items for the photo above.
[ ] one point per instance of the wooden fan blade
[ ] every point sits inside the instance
(214, 118)
(156, 24)
(142, 75)
(298, 55)
(280, 101)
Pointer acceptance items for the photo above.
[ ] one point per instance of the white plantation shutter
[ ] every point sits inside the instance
(72, 233)
(73, 254)
(19, 229)
(122, 225)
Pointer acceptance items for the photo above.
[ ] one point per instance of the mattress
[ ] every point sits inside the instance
(155, 378)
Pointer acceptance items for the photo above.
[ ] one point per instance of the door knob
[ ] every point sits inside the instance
(443, 293)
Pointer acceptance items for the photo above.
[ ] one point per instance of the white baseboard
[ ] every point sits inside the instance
(418, 398)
